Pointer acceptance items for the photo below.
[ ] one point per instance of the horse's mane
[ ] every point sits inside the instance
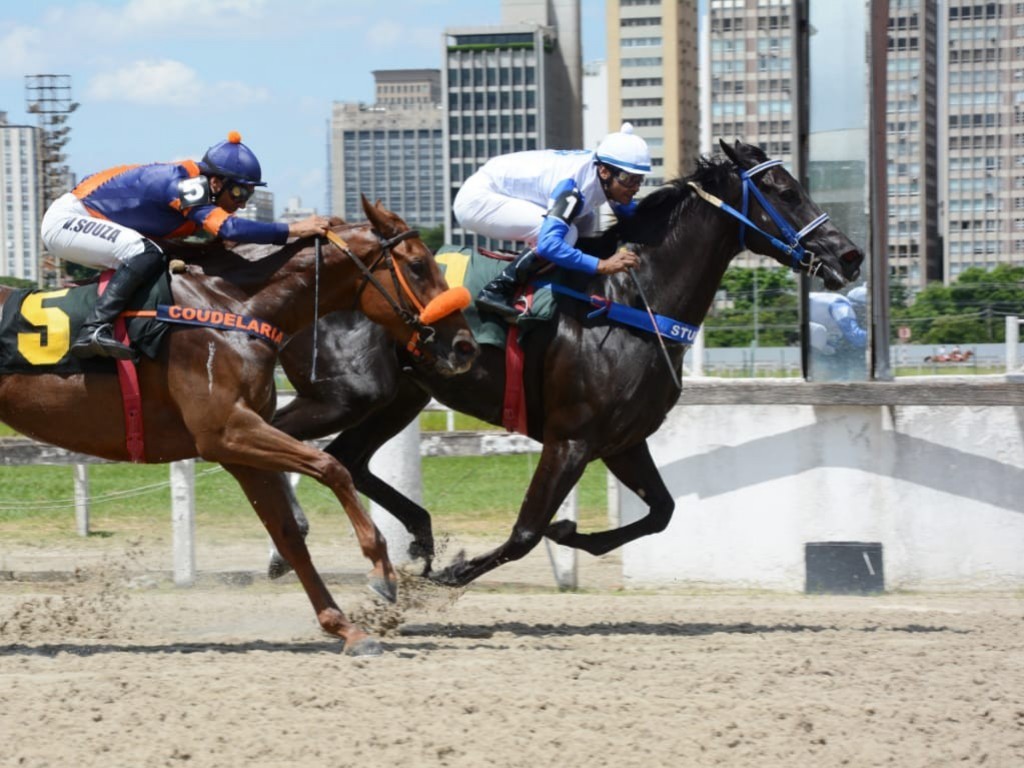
(244, 262)
(657, 212)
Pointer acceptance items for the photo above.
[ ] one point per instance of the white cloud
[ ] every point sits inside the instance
(169, 83)
(20, 51)
(187, 18)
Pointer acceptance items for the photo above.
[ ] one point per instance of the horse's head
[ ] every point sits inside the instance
(405, 292)
(789, 225)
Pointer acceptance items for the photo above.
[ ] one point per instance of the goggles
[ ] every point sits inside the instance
(240, 193)
(627, 179)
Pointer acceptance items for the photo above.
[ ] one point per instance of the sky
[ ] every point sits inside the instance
(161, 80)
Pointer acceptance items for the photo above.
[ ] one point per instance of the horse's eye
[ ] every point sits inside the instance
(790, 196)
(418, 268)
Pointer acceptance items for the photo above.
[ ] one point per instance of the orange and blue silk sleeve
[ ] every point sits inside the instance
(226, 226)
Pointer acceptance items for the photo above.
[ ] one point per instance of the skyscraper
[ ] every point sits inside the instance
(22, 196)
(392, 150)
(914, 252)
(751, 90)
(510, 87)
(984, 222)
(653, 80)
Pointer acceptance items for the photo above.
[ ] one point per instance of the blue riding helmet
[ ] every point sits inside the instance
(233, 160)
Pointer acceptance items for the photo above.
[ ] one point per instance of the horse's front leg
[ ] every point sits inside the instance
(361, 436)
(636, 469)
(268, 492)
(246, 439)
(560, 467)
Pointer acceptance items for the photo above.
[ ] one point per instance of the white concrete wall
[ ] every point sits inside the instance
(942, 488)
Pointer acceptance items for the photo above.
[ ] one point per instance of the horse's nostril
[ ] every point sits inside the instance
(466, 350)
(854, 256)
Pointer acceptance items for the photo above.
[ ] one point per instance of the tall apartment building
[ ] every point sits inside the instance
(752, 88)
(984, 222)
(653, 80)
(392, 150)
(507, 88)
(914, 250)
(22, 198)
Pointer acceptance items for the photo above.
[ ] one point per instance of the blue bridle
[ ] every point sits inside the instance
(791, 246)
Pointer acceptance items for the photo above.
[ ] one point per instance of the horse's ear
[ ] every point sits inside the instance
(372, 213)
(383, 221)
(734, 152)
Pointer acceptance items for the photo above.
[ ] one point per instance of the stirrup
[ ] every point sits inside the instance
(101, 343)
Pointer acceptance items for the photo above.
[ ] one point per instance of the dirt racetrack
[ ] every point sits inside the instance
(109, 668)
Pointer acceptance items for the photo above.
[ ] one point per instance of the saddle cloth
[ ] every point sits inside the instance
(37, 327)
(473, 269)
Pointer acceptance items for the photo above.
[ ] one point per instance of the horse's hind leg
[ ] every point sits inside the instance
(636, 469)
(560, 467)
(356, 446)
(268, 492)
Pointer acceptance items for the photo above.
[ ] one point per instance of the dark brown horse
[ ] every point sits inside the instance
(210, 393)
(595, 390)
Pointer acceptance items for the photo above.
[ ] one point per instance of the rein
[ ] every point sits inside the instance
(800, 258)
(440, 306)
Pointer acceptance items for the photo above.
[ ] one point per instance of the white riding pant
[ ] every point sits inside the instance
(70, 233)
(481, 207)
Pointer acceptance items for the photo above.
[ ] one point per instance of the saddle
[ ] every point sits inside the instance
(474, 269)
(37, 327)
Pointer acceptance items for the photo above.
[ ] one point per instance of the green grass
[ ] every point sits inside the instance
(465, 495)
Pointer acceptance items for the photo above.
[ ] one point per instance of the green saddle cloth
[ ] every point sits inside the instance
(470, 268)
(37, 327)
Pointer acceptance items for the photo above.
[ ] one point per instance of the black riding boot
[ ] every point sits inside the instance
(497, 295)
(96, 337)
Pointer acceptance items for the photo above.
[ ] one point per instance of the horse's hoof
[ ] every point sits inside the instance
(561, 531)
(367, 646)
(445, 578)
(388, 589)
(277, 567)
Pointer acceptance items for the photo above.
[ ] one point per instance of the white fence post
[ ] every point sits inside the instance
(614, 507)
(82, 499)
(1012, 339)
(397, 463)
(564, 560)
(697, 354)
(183, 521)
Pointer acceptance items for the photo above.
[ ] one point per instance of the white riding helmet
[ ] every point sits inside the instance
(858, 295)
(625, 150)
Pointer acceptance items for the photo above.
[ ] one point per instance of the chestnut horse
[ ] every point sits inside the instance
(595, 390)
(210, 393)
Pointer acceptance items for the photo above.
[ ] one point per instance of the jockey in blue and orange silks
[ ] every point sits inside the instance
(108, 219)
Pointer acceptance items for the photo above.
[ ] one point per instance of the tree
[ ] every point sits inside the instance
(730, 323)
(969, 311)
(432, 237)
(16, 282)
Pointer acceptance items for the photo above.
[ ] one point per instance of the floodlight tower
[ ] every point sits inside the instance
(48, 97)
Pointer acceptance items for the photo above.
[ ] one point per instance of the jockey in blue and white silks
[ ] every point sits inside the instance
(833, 320)
(538, 197)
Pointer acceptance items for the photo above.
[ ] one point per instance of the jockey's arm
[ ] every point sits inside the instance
(565, 204)
(846, 319)
(220, 223)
